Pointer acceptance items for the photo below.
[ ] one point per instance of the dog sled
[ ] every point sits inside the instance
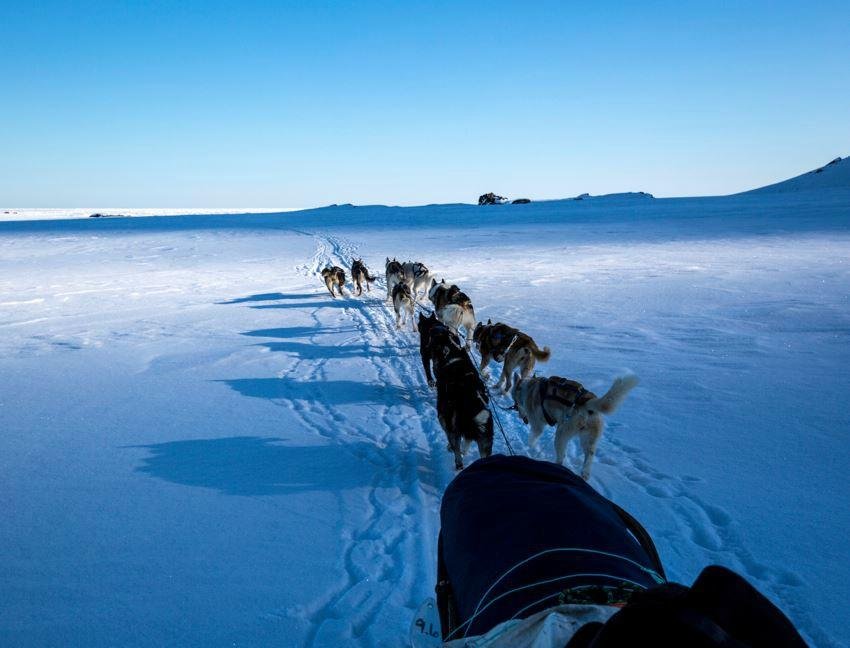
(530, 555)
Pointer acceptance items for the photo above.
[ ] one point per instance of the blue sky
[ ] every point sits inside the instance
(295, 104)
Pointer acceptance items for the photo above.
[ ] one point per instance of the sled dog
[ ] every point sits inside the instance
(453, 308)
(360, 276)
(573, 410)
(462, 401)
(416, 275)
(504, 343)
(394, 275)
(334, 277)
(403, 305)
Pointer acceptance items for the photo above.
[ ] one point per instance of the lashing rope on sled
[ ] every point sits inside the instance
(479, 609)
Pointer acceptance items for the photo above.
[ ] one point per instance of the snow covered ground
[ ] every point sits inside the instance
(58, 213)
(200, 448)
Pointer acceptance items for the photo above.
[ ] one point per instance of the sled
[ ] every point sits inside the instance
(425, 629)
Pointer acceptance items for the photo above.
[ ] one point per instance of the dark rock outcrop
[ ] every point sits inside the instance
(491, 199)
(520, 201)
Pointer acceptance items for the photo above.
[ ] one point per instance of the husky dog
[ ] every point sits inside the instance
(462, 400)
(395, 275)
(567, 405)
(501, 342)
(360, 275)
(416, 275)
(453, 308)
(403, 303)
(334, 277)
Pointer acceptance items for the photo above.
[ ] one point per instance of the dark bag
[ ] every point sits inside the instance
(519, 536)
(720, 610)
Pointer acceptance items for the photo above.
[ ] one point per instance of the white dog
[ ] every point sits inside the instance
(567, 405)
(394, 272)
(453, 308)
(403, 305)
(417, 276)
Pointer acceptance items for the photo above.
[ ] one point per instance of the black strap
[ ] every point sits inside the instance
(446, 604)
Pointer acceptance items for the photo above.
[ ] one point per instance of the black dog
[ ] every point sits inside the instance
(462, 400)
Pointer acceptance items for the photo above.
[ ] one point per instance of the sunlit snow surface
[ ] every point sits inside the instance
(198, 447)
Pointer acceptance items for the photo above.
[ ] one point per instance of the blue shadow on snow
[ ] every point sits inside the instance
(270, 297)
(257, 466)
(307, 351)
(333, 392)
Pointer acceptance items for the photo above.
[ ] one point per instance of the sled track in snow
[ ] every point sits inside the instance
(396, 539)
(389, 554)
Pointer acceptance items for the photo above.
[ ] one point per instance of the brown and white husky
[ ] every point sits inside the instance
(334, 277)
(504, 343)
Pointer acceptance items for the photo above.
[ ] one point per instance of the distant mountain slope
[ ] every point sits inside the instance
(835, 174)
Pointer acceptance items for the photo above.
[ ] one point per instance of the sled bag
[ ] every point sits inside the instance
(519, 536)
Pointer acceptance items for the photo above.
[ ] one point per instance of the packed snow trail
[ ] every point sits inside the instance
(390, 551)
(703, 525)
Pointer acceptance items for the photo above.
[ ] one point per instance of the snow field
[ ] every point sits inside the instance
(202, 448)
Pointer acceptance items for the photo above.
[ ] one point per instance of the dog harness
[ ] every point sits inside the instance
(502, 337)
(567, 392)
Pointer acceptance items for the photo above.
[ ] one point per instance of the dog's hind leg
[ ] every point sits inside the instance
(589, 440)
(563, 433)
(533, 435)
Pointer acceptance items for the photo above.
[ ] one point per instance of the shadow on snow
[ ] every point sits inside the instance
(270, 297)
(309, 351)
(256, 466)
(336, 392)
(299, 331)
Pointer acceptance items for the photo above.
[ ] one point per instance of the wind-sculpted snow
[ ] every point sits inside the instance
(201, 448)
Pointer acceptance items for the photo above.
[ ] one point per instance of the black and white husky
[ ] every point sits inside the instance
(462, 400)
(403, 305)
(573, 410)
(417, 276)
(395, 275)
(453, 308)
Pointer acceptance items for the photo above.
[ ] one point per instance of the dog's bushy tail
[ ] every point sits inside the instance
(608, 403)
(543, 355)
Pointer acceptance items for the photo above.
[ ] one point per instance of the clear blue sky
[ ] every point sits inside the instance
(205, 103)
